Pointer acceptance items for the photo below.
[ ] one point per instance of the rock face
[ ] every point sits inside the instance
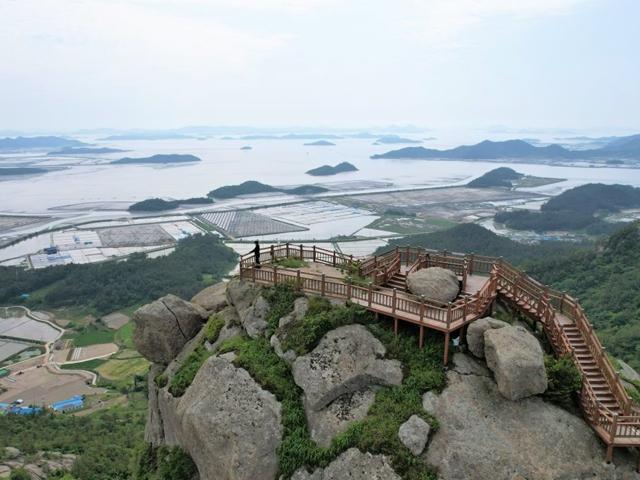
(352, 465)
(346, 360)
(241, 294)
(300, 307)
(484, 436)
(435, 283)
(213, 298)
(228, 424)
(414, 434)
(516, 359)
(164, 326)
(254, 318)
(475, 334)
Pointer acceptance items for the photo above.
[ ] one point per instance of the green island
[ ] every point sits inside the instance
(326, 170)
(252, 187)
(158, 159)
(160, 205)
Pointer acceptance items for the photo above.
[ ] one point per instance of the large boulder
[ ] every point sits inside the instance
(347, 359)
(434, 283)
(482, 435)
(241, 294)
(475, 334)
(414, 434)
(254, 318)
(517, 361)
(164, 326)
(230, 426)
(352, 465)
(213, 298)
(300, 307)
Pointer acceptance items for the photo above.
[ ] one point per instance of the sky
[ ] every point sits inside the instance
(514, 64)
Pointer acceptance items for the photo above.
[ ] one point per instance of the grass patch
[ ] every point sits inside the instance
(188, 370)
(163, 463)
(93, 335)
(291, 262)
(212, 328)
(378, 432)
(123, 369)
(208, 279)
(280, 298)
(124, 336)
(91, 365)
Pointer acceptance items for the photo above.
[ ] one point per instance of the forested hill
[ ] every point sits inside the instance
(109, 286)
(605, 277)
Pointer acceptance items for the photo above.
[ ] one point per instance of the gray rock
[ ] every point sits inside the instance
(347, 359)
(484, 436)
(414, 434)
(517, 362)
(336, 417)
(154, 430)
(254, 318)
(300, 308)
(468, 365)
(241, 294)
(352, 465)
(231, 328)
(429, 402)
(11, 453)
(475, 334)
(434, 283)
(213, 298)
(164, 326)
(289, 356)
(627, 371)
(230, 426)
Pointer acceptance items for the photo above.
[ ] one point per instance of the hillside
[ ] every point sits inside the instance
(158, 204)
(158, 159)
(38, 143)
(327, 170)
(623, 147)
(252, 187)
(499, 177)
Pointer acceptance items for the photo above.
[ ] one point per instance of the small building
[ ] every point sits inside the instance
(16, 409)
(4, 372)
(74, 403)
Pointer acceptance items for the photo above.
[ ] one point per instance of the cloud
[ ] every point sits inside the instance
(443, 22)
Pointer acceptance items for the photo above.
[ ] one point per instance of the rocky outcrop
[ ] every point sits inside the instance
(414, 434)
(241, 294)
(231, 426)
(352, 465)
(254, 318)
(230, 329)
(485, 436)
(213, 298)
(516, 359)
(336, 417)
(434, 283)
(347, 359)
(300, 307)
(38, 465)
(475, 334)
(164, 326)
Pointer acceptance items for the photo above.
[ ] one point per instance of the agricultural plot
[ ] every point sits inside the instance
(361, 248)
(28, 329)
(246, 224)
(75, 239)
(180, 230)
(9, 348)
(135, 236)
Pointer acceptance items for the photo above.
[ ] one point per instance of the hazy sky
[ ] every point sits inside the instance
(69, 64)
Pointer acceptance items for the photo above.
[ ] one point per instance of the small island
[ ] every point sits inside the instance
(246, 147)
(320, 143)
(84, 151)
(21, 171)
(326, 170)
(158, 159)
(159, 205)
(38, 143)
(393, 139)
(147, 136)
(508, 178)
(253, 187)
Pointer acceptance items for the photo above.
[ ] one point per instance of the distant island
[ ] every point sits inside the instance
(252, 187)
(246, 147)
(148, 136)
(158, 159)
(320, 143)
(327, 170)
(84, 151)
(622, 147)
(505, 177)
(288, 136)
(159, 205)
(38, 143)
(21, 171)
(391, 139)
(575, 209)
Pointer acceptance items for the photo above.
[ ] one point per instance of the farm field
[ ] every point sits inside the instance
(9, 348)
(27, 328)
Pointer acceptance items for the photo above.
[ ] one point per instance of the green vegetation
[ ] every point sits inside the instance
(564, 379)
(159, 205)
(377, 433)
(212, 328)
(19, 474)
(252, 187)
(93, 335)
(406, 223)
(498, 177)
(164, 463)
(105, 441)
(291, 262)
(280, 298)
(124, 336)
(158, 159)
(90, 365)
(332, 170)
(105, 287)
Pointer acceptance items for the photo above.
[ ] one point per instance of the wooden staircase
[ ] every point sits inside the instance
(398, 281)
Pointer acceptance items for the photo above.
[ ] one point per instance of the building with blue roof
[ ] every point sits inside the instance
(74, 403)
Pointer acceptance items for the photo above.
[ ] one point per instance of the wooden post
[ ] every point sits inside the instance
(421, 310)
(314, 253)
(253, 274)
(449, 315)
(421, 341)
(301, 252)
(298, 281)
(275, 274)
(393, 304)
(447, 340)
(395, 326)
(272, 254)
(472, 258)
(370, 294)
(287, 249)
(375, 261)
(464, 308)
(348, 291)
(322, 286)
(334, 258)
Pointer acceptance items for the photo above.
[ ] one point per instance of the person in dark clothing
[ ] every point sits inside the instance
(256, 254)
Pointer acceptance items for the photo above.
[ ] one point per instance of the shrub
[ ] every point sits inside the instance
(19, 474)
(280, 298)
(212, 328)
(161, 380)
(188, 370)
(291, 262)
(163, 463)
(564, 379)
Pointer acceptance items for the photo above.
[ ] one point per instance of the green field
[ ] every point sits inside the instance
(93, 335)
(407, 225)
(90, 365)
(124, 336)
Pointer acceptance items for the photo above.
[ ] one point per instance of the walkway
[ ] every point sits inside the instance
(604, 400)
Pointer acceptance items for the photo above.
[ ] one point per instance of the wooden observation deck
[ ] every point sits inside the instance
(605, 402)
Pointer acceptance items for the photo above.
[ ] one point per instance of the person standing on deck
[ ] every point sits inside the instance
(256, 254)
